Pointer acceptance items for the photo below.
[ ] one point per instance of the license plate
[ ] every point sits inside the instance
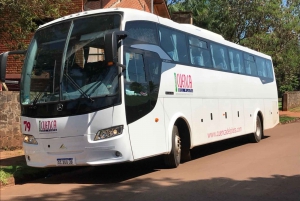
(65, 161)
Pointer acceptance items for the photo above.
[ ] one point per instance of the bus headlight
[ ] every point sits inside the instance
(108, 133)
(29, 139)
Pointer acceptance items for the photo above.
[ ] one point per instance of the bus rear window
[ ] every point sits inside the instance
(269, 69)
(261, 67)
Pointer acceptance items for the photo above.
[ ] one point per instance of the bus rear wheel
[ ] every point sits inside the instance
(257, 135)
(172, 160)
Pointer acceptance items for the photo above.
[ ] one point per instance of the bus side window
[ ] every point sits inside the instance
(250, 65)
(136, 69)
(261, 67)
(236, 62)
(173, 42)
(219, 57)
(196, 56)
(199, 53)
(142, 31)
(269, 69)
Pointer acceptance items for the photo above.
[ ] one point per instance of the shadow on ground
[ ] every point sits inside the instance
(116, 182)
(278, 187)
(16, 160)
(119, 172)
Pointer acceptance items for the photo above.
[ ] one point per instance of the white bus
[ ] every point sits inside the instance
(116, 85)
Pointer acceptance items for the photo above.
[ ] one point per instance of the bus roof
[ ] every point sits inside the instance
(131, 15)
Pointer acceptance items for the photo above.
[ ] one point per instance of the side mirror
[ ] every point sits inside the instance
(3, 62)
(110, 45)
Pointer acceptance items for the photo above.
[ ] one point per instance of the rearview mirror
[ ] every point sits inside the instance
(111, 45)
(3, 62)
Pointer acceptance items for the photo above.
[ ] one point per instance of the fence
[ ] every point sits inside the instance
(290, 100)
(10, 130)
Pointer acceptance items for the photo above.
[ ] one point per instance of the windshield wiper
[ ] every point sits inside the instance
(78, 87)
(34, 102)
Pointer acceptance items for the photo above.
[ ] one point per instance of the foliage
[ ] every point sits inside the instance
(268, 26)
(19, 19)
(4, 176)
(22, 172)
(280, 104)
(285, 119)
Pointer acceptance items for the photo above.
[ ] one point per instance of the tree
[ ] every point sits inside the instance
(19, 19)
(267, 26)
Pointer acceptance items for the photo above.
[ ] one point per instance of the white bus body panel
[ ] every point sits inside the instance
(74, 138)
(217, 94)
(147, 136)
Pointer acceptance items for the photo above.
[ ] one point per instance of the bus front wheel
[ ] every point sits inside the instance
(257, 135)
(172, 160)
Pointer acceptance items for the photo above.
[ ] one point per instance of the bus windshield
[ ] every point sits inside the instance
(66, 61)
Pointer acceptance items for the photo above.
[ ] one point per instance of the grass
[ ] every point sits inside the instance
(285, 119)
(279, 105)
(4, 175)
(23, 173)
(20, 172)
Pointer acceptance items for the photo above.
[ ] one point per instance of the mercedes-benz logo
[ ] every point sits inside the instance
(60, 107)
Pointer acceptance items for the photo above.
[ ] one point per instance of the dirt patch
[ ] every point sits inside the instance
(289, 114)
(295, 115)
(10, 154)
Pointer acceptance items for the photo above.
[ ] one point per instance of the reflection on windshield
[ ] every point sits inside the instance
(66, 63)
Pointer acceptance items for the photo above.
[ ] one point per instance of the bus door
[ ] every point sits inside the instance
(144, 110)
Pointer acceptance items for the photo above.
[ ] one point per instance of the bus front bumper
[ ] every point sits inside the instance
(77, 151)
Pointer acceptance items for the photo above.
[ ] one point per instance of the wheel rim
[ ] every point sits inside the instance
(258, 128)
(177, 147)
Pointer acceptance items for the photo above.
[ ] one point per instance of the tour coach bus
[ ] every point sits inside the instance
(115, 85)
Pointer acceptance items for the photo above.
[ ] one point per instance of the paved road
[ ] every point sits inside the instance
(231, 170)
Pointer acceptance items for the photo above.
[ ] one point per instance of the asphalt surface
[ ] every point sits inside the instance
(232, 170)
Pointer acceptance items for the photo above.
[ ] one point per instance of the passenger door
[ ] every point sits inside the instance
(144, 110)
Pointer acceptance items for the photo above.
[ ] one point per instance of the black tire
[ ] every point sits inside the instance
(172, 160)
(185, 154)
(258, 134)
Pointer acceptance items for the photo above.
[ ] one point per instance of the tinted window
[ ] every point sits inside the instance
(250, 65)
(199, 53)
(269, 69)
(197, 42)
(219, 57)
(136, 87)
(261, 67)
(174, 43)
(236, 61)
(154, 67)
(141, 82)
(142, 31)
(135, 71)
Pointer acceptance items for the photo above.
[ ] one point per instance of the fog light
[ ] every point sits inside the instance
(118, 154)
(108, 133)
